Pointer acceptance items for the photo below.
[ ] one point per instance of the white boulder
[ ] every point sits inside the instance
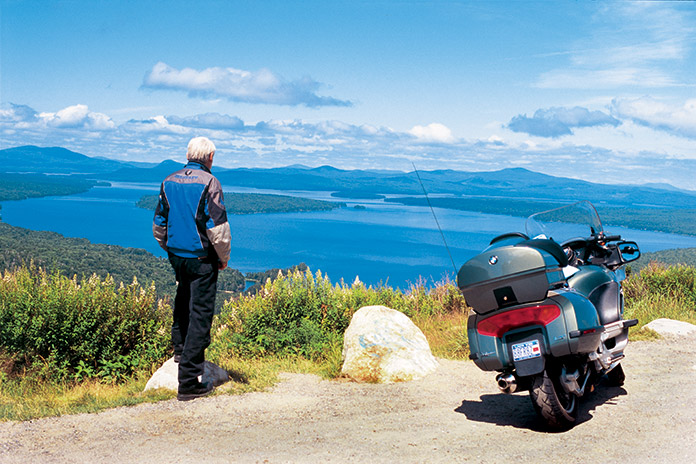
(671, 327)
(383, 345)
(167, 376)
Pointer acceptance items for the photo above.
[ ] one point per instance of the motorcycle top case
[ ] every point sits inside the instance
(510, 273)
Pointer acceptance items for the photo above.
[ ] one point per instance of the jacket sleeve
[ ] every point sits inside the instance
(159, 223)
(217, 227)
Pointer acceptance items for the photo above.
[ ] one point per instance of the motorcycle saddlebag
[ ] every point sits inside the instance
(503, 276)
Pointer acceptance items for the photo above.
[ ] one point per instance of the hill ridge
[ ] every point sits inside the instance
(512, 182)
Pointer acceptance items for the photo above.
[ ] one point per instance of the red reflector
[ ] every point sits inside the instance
(497, 325)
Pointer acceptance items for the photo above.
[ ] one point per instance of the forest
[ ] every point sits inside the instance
(679, 256)
(23, 186)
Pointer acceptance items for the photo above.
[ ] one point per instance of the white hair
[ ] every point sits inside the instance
(199, 148)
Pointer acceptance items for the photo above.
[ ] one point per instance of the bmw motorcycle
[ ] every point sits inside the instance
(548, 309)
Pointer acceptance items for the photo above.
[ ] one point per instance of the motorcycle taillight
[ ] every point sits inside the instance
(497, 325)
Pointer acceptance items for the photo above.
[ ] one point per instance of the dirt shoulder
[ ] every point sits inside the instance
(455, 414)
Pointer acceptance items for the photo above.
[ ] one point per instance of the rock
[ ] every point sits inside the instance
(671, 327)
(383, 345)
(167, 376)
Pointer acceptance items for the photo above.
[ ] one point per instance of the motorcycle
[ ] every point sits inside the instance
(547, 309)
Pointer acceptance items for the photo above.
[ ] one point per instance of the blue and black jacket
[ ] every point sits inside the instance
(190, 219)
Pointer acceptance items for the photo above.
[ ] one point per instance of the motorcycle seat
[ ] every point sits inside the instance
(549, 246)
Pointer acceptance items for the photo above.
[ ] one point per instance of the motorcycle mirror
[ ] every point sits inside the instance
(629, 251)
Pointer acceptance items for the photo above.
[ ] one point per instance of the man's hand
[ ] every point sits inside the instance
(221, 265)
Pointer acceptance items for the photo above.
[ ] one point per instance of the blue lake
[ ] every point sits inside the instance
(384, 242)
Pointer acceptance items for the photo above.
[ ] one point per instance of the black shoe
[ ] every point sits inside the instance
(202, 389)
(177, 358)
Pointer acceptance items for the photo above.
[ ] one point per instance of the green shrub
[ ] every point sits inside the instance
(678, 282)
(659, 291)
(61, 329)
(304, 314)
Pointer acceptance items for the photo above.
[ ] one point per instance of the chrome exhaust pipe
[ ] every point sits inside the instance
(507, 383)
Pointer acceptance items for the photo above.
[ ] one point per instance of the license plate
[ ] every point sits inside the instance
(526, 350)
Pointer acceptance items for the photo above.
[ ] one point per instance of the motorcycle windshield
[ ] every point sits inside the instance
(578, 220)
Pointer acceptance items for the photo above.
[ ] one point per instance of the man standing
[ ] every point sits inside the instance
(191, 225)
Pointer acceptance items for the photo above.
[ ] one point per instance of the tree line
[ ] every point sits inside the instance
(23, 186)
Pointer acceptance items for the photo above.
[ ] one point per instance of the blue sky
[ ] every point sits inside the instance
(603, 91)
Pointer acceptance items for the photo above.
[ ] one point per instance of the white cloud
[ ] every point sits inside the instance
(434, 132)
(369, 130)
(77, 117)
(72, 116)
(156, 125)
(262, 86)
(17, 114)
(209, 121)
(639, 44)
(559, 121)
(678, 120)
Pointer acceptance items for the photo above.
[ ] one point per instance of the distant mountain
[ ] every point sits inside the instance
(139, 174)
(517, 183)
(669, 187)
(141, 164)
(54, 160)
(520, 183)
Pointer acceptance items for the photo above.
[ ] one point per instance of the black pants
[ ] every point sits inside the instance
(194, 307)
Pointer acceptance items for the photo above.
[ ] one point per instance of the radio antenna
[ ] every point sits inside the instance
(454, 266)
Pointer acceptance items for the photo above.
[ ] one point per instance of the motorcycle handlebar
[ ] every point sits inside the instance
(601, 239)
(611, 238)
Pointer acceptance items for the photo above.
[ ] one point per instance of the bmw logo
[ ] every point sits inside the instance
(492, 260)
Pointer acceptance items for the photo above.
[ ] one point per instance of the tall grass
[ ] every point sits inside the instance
(69, 345)
(58, 329)
(660, 291)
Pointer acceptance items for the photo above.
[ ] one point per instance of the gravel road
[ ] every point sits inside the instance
(454, 415)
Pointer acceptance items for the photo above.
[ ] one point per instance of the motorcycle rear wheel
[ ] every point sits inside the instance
(558, 408)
